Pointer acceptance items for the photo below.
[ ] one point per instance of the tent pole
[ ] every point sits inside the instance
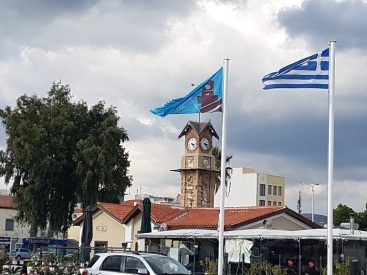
(299, 258)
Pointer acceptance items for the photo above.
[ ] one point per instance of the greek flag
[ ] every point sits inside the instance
(309, 72)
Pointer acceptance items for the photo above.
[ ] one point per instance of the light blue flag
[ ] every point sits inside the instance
(205, 98)
(310, 72)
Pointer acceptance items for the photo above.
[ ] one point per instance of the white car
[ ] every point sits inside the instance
(20, 253)
(133, 263)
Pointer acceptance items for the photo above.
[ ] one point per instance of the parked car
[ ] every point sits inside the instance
(20, 253)
(133, 263)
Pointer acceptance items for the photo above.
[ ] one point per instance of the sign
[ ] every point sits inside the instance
(4, 239)
(101, 228)
(38, 241)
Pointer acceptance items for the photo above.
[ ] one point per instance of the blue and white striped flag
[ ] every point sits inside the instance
(309, 72)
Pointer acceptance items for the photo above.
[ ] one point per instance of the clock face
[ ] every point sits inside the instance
(204, 143)
(191, 144)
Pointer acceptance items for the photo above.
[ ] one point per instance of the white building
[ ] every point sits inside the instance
(249, 188)
(8, 225)
(10, 231)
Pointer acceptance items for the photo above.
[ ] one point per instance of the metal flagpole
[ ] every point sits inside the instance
(223, 169)
(331, 159)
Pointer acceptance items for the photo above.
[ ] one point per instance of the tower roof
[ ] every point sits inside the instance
(198, 127)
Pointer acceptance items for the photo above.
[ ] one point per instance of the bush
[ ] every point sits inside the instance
(210, 267)
(266, 268)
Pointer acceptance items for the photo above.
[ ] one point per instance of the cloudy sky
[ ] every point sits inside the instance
(138, 54)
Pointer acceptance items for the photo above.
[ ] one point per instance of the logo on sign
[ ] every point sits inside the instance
(101, 228)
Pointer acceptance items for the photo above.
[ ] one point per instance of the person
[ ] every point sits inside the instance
(311, 268)
(24, 269)
(291, 269)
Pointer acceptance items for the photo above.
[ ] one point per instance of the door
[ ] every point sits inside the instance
(111, 265)
(132, 265)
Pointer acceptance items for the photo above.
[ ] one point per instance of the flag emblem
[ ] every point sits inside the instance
(309, 72)
(205, 98)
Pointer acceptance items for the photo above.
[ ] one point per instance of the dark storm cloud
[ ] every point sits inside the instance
(320, 21)
(302, 139)
(22, 22)
(37, 9)
(130, 25)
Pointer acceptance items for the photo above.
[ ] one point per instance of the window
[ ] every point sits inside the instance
(132, 265)
(262, 202)
(274, 203)
(100, 246)
(9, 224)
(279, 203)
(93, 261)
(262, 190)
(112, 263)
(269, 203)
(269, 189)
(165, 265)
(279, 190)
(274, 190)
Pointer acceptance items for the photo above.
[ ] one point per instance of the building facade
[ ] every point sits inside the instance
(249, 188)
(117, 225)
(8, 224)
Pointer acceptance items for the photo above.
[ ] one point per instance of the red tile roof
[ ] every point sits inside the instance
(208, 217)
(162, 213)
(78, 210)
(7, 202)
(178, 217)
(118, 210)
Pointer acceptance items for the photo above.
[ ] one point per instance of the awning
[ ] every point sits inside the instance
(180, 234)
(260, 233)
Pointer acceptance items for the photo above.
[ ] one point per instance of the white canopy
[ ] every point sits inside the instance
(180, 234)
(317, 234)
(260, 233)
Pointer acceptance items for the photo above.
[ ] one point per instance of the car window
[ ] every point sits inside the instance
(93, 261)
(165, 265)
(112, 263)
(133, 264)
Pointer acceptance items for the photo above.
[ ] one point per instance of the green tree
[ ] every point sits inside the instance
(361, 219)
(217, 153)
(342, 214)
(59, 152)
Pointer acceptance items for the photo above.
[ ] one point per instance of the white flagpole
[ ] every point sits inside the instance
(331, 159)
(223, 169)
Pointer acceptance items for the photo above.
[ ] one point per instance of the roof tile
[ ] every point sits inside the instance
(208, 217)
(118, 210)
(162, 213)
(7, 202)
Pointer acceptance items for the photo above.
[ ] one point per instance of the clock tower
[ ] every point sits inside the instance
(198, 170)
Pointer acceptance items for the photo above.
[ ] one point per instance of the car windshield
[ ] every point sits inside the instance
(165, 265)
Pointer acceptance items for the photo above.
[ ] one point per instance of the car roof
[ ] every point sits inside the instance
(129, 253)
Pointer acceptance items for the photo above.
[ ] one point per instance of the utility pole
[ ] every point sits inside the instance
(299, 202)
